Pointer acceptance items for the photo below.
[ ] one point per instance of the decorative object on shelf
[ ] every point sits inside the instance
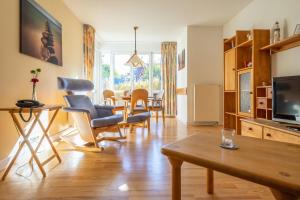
(297, 29)
(40, 33)
(232, 44)
(228, 136)
(249, 36)
(35, 73)
(247, 64)
(275, 34)
(135, 60)
(181, 60)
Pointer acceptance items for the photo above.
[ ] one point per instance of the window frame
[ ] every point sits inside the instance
(112, 68)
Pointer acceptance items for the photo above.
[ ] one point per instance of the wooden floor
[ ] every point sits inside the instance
(134, 169)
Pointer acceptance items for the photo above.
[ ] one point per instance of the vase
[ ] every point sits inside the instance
(34, 96)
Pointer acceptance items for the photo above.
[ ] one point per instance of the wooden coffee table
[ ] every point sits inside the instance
(269, 163)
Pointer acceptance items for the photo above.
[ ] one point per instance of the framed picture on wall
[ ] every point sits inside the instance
(181, 60)
(40, 33)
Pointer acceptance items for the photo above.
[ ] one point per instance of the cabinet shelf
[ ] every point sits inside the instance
(282, 45)
(229, 49)
(246, 44)
(229, 90)
(267, 86)
(230, 113)
(229, 39)
(244, 68)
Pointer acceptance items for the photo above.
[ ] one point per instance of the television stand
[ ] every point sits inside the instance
(270, 130)
(293, 128)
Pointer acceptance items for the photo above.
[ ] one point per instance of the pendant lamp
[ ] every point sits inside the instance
(135, 60)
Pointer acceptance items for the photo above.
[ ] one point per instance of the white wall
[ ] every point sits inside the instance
(204, 61)
(182, 78)
(263, 14)
(15, 67)
(142, 47)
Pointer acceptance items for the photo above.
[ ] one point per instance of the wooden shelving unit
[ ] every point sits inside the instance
(264, 102)
(285, 44)
(229, 43)
(238, 53)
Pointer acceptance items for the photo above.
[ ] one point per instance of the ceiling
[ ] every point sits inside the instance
(158, 20)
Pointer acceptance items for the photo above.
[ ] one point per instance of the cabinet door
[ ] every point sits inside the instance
(270, 134)
(245, 93)
(252, 130)
(229, 70)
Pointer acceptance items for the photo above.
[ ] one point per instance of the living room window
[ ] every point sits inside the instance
(115, 75)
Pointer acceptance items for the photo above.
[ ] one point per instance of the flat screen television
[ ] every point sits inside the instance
(286, 99)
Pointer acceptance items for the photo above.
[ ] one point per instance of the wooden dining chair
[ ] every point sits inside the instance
(139, 105)
(110, 99)
(157, 105)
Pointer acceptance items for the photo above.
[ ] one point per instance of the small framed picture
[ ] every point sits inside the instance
(297, 29)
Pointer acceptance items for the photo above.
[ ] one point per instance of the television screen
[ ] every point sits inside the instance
(286, 99)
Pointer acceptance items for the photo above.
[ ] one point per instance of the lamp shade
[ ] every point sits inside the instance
(135, 61)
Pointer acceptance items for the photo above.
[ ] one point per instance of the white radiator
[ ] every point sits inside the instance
(207, 101)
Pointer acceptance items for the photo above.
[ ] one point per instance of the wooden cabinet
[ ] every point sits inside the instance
(264, 102)
(261, 103)
(229, 69)
(269, 92)
(246, 67)
(269, 130)
(252, 130)
(271, 134)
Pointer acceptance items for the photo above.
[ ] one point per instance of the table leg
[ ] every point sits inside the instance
(176, 178)
(283, 196)
(27, 142)
(210, 181)
(45, 131)
(12, 161)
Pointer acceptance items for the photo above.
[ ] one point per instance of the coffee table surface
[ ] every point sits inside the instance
(269, 163)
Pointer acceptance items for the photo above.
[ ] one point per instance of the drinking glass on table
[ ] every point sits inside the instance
(228, 137)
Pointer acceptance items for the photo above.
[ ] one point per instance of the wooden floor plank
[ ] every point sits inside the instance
(133, 169)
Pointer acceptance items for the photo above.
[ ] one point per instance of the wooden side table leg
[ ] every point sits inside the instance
(210, 181)
(36, 159)
(12, 161)
(283, 196)
(45, 134)
(27, 142)
(176, 178)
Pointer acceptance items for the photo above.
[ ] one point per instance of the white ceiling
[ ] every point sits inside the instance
(159, 20)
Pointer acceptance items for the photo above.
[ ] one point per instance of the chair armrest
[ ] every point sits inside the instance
(69, 109)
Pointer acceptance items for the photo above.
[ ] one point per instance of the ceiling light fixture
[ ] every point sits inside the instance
(135, 60)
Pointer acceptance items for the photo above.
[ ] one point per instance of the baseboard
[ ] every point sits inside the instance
(204, 123)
